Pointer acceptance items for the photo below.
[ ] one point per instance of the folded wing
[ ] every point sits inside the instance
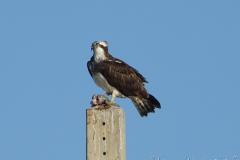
(123, 77)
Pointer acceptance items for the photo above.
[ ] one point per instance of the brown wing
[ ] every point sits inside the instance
(123, 77)
(90, 66)
(136, 71)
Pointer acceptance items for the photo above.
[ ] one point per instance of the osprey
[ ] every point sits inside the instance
(119, 79)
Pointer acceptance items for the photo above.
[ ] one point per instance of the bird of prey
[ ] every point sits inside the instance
(119, 79)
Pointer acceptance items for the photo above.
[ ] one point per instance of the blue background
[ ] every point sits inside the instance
(188, 50)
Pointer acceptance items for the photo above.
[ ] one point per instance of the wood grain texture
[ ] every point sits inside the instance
(105, 134)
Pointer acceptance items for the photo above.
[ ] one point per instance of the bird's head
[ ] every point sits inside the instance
(100, 50)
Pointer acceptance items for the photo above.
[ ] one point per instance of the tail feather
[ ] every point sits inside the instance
(144, 106)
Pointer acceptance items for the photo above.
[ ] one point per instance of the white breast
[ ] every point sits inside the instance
(102, 82)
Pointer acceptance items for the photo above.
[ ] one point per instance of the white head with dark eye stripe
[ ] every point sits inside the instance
(100, 50)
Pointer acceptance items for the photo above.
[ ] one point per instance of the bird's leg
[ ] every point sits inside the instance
(114, 94)
(113, 97)
(112, 102)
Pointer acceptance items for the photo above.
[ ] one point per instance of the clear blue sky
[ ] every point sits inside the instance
(189, 51)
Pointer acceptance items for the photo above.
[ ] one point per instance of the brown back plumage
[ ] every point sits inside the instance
(123, 77)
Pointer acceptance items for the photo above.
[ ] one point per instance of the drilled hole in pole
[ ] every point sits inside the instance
(104, 138)
(103, 123)
(104, 153)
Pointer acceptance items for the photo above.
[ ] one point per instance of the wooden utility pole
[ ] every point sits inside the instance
(105, 134)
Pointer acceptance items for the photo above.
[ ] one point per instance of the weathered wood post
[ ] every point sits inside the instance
(105, 133)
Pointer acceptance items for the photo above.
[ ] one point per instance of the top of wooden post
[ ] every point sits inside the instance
(105, 133)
